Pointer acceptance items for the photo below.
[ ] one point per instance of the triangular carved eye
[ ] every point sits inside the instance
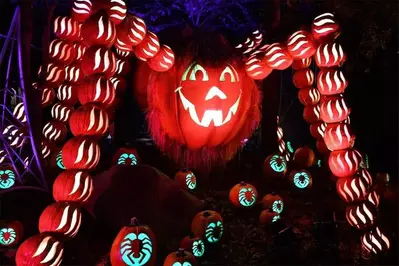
(194, 68)
(229, 71)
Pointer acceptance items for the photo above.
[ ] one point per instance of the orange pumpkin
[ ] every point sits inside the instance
(80, 153)
(81, 10)
(275, 165)
(267, 217)
(193, 244)
(62, 51)
(130, 33)
(333, 109)
(329, 55)
(274, 202)
(54, 131)
(68, 94)
(243, 195)
(311, 113)
(352, 189)
(331, 82)
(304, 157)
(317, 130)
(309, 96)
(181, 258)
(208, 225)
(325, 27)
(11, 233)
(98, 60)
(186, 179)
(73, 186)
(67, 29)
(134, 245)
(61, 112)
(97, 89)
(374, 241)
(344, 163)
(256, 66)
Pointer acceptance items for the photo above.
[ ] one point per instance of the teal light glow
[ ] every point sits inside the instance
(214, 232)
(59, 161)
(186, 263)
(319, 163)
(301, 180)
(127, 159)
(278, 163)
(7, 179)
(275, 218)
(246, 197)
(191, 181)
(278, 206)
(198, 248)
(7, 236)
(366, 159)
(289, 147)
(128, 253)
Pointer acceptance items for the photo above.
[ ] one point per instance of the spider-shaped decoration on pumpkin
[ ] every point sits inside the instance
(214, 232)
(7, 179)
(59, 162)
(278, 163)
(278, 206)
(301, 180)
(198, 248)
(191, 181)
(246, 197)
(127, 159)
(7, 236)
(136, 249)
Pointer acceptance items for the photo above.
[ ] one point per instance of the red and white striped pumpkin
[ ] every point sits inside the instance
(116, 11)
(62, 218)
(317, 130)
(338, 137)
(73, 186)
(97, 89)
(375, 241)
(344, 163)
(81, 10)
(61, 112)
(80, 50)
(373, 198)
(15, 136)
(55, 75)
(67, 28)
(309, 96)
(130, 33)
(46, 148)
(331, 81)
(364, 173)
(163, 60)
(41, 249)
(48, 97)
(324, 26)
(303, 78)
(148, 48)
(80, 153)
(361, 215)
(54, 131)
(3, 156)
(119, 84)
(300, 45)
(19, 112)
(352, 189)
(68, 94)
(311, 113)
(122, 67)
(99, 30)
(329, 55)
(333, 109)
(257, 37)
(247, 46)
(89, 120)
(62, 51)
(123, 54)
(277, 56)
(301, 63)
(256, 66)
(98, 60)
(73, 73)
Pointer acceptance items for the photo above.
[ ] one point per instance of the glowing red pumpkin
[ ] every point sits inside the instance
(67, 29)
(89, 120)
(301, 63)
(122, 67)
(375, 241)
(62, 51)
(119, 84)
(243, 195)
(98, 90)
(344, 163)
(361, 215)
(163, 60)
(129, 33)
(311, 113)
(300, 45)
(68, 94)
(55, 75)
(247, 46)
(46, 148)
(309, 96)
(317, 130)
(80, 153)
(374, 198)
(352, 189)
(73, 186)
(11, 233)
(123, 54)
(98, 29)
(115, 9)
(81, 10)
(331, 81)
(277, 56)
(48, 97)
(303, 78)
(329, 55)
(337, 136)
(80, 50)
(147, 48)
(256, 67)
(180, 257)
(333, 109)
(73, 73)
(325, 27)
(98, 60)
(54, 131)
(61, 112)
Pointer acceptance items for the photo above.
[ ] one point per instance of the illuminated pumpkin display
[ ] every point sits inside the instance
(325, 27)
(180, 258)
(73, 73)
(186, 179)
(54, 131)
(61, 218)
(301, 179)
(97, 89)
(277, 56)
(274, 202)
(331, 81)
(267, 217)
(16, 136)
(130, 33)
(19, 112)
(317, 130)
(344, 163)
(329, 55)
(352, 189)
(304, 157)
(303, 78)
(126, 156)
(73, 186)
(67, 29)
(301, 63)
(148, 47)
(11, 233)
(300, 45)
(134, 245)
(81, 10)
(208, 225)
(275, 165)
(337, 137)
(40, 249)
(333, 109)
(375, 241)
(98, 29)
(80, 153)
(55, 74)
(98, 60)
(58, 160)
(256, 67)
(61, 112)
(193, 244)
(309, 96)
(122, 67)
(163, 60)
(68, 94)
(361, 215)
(311, 113)
(373, 198)
(243, 195)
(80, 50)
(89, 120)
(62, 51)
(48, 97)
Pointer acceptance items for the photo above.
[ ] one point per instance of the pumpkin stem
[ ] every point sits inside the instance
(273, 193)
(242, 183)
(206, 214)
(134, 221)
(180, 252)
(184, 169)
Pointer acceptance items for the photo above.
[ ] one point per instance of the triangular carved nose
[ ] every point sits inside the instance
(214, 91)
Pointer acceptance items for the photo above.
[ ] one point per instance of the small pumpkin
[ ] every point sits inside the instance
(274, 202)
(301, 179)
(186, 179)
(375, 241)
(73, 186)
(304, 157)
(11, 232)
(267, 217)
(208, 225)
(7, 177)
(361, 215)
(243, 195)
(180, 258)
(134, 245)
(194, 244)
(126, 156)
(275, 165)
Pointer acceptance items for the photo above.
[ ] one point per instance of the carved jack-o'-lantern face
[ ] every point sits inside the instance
(210, 97)
(136, 249)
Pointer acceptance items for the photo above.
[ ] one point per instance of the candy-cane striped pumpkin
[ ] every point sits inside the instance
(277, 56)
(46, 148)
(317, 130)
(311, 113)
(361, 215)
(62, 218)
(81, 10)
(352, 189)
(67, 28)
(303, 78)
(333, 109)
(61, 112)
(48, 97)
(99, 30)
(119, 84)
(130, 33)
(115, 9)
(256, 66)
(324, 26)
(344, 163)
(62, 51)
(247, 46)
(55, 75)
(54, 131)
(68, 94)
(73, 186)
(80, 50)
(300, 45)
(163, 60)
(89, 120)
(41, 249)
(309, 96)
(73, 73)
(97, 89)
(148, 48)
(80, 153)
(301, 63)
(364, 173)
(123, 54)
(19, 112)
(338, 137)
(257, 37)
(98, 60)
(16, 136)
(373, 198)
(375, 241)
(122, 67)
(3, 156)
(329, 55)
(331, 81)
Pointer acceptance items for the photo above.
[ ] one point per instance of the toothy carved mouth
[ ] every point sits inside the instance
(209, 115)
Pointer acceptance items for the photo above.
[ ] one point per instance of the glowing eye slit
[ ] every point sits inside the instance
(231, 71)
